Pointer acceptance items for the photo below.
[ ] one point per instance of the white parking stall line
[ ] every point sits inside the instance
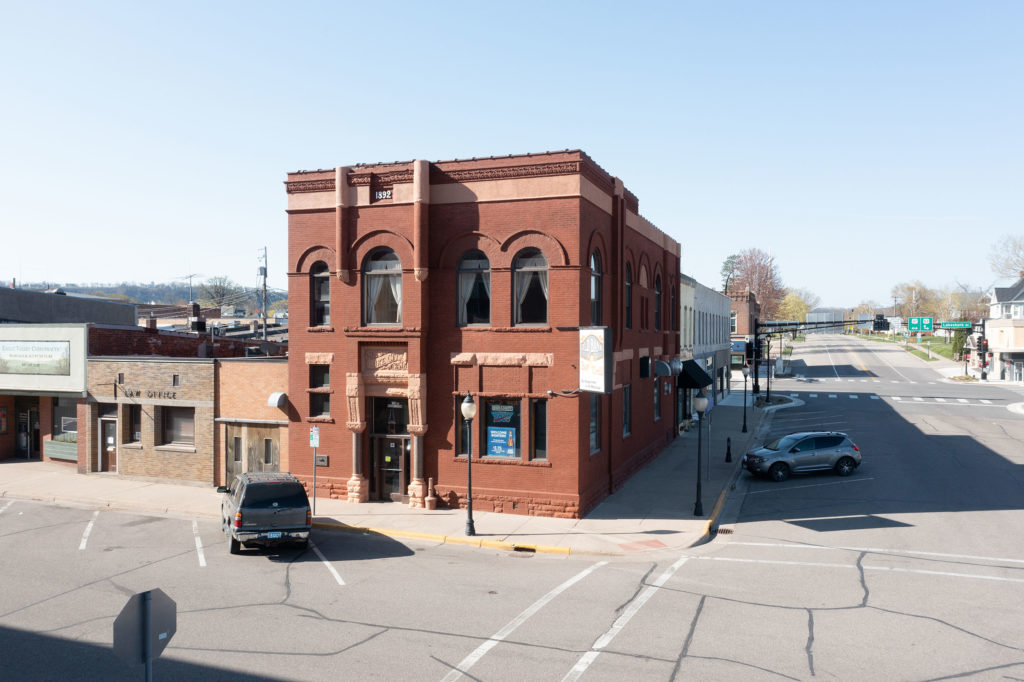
(814, 485)
(199, 544)
(881, 550)
(478, 653)
(88, 529)
(812, 564)
(327, 563)
(620, 622)
(4, 508)
(831, 395)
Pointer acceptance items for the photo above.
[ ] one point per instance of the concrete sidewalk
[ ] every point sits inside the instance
(652, 511)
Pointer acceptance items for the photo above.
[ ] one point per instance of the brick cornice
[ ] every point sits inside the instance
(439, 176)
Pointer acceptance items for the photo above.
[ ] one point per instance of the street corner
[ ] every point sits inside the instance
(1016, 408)
(777, 402)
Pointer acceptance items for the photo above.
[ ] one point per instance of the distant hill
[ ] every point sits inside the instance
(173, 293)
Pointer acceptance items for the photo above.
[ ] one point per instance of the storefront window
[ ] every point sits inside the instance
(503, 428)
(179, 426)
(65, 422)
(134, 434)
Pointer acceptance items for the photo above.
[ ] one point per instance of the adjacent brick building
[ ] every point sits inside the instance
(413, 284)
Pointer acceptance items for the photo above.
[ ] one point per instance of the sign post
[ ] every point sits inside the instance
(314, 442)
(144, 627)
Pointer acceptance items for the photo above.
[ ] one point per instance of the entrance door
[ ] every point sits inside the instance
(390, 468)
(108, 445)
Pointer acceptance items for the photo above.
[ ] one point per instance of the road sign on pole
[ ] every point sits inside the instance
(314, 436)
(919, 324)
(956, 325)
(144, 627)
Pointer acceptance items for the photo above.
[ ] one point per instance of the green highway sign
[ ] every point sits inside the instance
(919, 324)
(956, 325)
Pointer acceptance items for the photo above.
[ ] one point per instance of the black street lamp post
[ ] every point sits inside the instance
(746, 373)
(700, 403)
(468, 412)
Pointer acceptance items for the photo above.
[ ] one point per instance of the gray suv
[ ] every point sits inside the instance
(805, 451)
(264, 508)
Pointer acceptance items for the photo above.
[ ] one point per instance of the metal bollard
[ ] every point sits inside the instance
(728, 450)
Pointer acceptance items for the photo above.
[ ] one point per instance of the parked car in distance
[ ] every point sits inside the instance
(265, 508)
(803, 452)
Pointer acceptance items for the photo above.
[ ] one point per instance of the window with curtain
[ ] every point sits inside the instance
(382, 288)
(320, 294)
(595, 288)
(179, 425)
(474, 289)
(629, 296)
(657, 302)
(530, 287)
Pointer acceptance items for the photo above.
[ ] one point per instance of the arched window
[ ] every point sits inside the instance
(657, 302)
(320, 295)
(629, 296)
(530, 287)
(595, 288)
(382, 288)
(474, 284)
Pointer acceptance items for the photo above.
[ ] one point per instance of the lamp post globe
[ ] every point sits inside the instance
(746, 373)
(468, 412)
(700, 403)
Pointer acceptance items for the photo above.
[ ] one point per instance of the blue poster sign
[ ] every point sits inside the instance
(501, 442)
(739, 346)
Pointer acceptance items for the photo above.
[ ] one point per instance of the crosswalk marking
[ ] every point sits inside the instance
(961, 400)
(896, 397)
(987, 402)
(920, 400)
(940, 400)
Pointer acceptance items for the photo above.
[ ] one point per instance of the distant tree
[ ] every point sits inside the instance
(728, 271)
(870, 308)
(756, 271)
(917, 300)
(793, 308)
(1007, 256)
(221, 291)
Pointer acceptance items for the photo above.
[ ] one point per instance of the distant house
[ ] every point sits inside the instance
(1004, 330)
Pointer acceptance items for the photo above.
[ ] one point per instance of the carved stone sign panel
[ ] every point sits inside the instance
(385, 362)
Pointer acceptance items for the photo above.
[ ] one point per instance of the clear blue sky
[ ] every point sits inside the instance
(861, 143)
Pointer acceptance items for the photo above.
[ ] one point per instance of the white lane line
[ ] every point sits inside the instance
(797, 487)
(831, 395)
(4, 508)
(854, 397)
(832, 363)
(199, 544)
(620, 622)
(326, 563)
(478, 653)
(88, 529)
(961, 400)
(881, 550)
(950, 574)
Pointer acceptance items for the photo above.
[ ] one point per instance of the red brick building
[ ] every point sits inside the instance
(411, 284)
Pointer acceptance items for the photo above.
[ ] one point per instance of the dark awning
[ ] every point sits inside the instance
(693, 376)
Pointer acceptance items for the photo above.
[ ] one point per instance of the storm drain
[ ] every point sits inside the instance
(524, 549)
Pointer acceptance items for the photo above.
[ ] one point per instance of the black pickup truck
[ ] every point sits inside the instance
(264, 508)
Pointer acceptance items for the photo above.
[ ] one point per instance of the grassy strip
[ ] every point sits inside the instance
(921, 354)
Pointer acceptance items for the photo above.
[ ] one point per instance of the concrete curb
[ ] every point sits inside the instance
(446, 539)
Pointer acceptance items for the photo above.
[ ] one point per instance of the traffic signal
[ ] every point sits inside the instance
(983, 347)
(758, 348)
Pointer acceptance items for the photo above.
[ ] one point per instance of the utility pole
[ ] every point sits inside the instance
(262, 272)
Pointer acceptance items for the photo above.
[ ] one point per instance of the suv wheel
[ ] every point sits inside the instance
(779, 472)
(845, 466)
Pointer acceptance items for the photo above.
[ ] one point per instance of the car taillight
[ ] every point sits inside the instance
(309, 518)
(238, 519)
(855, 448)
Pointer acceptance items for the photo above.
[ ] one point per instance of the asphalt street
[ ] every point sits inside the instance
(911, 568)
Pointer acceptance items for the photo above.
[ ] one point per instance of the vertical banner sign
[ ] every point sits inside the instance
(595, 360)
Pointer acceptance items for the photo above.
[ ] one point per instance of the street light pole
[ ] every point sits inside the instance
(468, 412)
(700, 403)
(746, 373)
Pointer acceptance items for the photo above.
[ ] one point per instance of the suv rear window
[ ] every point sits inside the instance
(263, 495)
(828, 441)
